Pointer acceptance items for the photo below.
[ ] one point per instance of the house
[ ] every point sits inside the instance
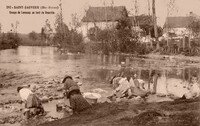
(102, 17)
(177, 25)
(178, 29)
(180, 25)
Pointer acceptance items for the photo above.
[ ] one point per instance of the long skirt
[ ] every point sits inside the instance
(138, 92)
(34, 105)
(33, 101)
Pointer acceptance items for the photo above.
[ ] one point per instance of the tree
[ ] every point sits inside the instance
(118, 39)
(65, 38)
(42, 34)
(14, 27)
(194, 26)
(61, 30)
(128, 39)
(46, 31)
(170, 9)
(0, 28)
(93, 32)
(155, 22)
(33, 35)
(149, 29)
(75, 23)
(1, 37)
(12, 40)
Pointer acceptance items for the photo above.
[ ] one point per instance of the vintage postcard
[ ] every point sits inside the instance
(99, 62)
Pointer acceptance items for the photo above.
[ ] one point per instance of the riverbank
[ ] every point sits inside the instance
(6, 46)
(126, 112)
(10, 102)
(137, 113)
(173, 57)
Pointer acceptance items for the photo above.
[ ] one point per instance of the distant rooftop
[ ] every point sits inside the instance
(102, 14)
(178, 22)
(181, 22)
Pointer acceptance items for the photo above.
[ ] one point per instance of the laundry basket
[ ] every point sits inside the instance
(92, 98)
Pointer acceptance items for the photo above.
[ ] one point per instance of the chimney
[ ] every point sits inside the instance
(191, 13)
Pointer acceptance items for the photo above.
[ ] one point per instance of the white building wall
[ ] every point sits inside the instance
(102, 25)
(179, 31)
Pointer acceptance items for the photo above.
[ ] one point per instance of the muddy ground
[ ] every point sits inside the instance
(134, 113)
(10, 103)
(126, 112)
(49, 90)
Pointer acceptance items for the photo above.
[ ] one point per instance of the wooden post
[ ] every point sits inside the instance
(150, 78)
(166, 81)
(155, 80)
(189, 75)
(189, 44)
(183, 75)
(127, 61)
(184, 42)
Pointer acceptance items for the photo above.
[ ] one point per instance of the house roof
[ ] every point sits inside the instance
(141, 20)
(99, 14)
(178, 22)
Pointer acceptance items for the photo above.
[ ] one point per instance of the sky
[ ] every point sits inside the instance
(34, 22)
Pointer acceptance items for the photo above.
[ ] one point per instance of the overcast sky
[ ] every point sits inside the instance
(34, 22)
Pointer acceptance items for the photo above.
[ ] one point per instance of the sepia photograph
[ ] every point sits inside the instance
(99, 62)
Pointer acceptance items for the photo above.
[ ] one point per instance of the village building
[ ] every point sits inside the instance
(108, 17)
(178, 29)
(102, 17)
(179, 26)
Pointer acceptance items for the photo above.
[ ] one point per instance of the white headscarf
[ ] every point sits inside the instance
(24, 93)
(123, 85)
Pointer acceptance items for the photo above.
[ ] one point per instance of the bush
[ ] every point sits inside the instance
(9, 41)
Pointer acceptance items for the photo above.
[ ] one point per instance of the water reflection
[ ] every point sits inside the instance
(48, 62)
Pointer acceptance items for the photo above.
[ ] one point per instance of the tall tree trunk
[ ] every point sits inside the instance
(149, 13)
(155, 23)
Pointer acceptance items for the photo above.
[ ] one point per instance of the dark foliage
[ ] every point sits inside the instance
(33, 35)
(9, 41)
